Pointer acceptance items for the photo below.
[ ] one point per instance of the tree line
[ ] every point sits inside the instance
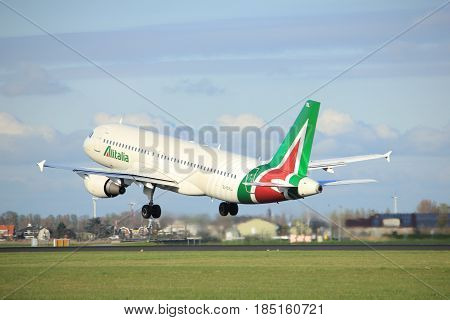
(70, 224)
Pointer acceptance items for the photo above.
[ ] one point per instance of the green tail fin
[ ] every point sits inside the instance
(294, 152)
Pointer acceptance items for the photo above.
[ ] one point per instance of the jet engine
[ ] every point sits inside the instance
(306, 187)
(103, 187)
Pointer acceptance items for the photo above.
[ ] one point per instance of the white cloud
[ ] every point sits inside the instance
(201, 86)
(31, 79)
(11, 126)
(325, 146)
(242, 120)
(22, 143)
(385, 132)
(332, 122)
(427, 140)
(136, 119)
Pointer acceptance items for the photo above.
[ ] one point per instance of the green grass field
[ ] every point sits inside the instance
(226, 275)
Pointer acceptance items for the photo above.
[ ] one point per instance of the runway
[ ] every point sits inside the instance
(321, 247)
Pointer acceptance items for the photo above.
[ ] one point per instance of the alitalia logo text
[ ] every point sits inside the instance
(111, 153)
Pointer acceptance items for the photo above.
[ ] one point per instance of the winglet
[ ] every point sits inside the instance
(388, 156)
(41, 165)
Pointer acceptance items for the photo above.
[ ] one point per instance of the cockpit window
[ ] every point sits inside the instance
(90, 134)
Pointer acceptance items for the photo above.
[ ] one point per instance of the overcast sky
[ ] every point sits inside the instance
(225, 63)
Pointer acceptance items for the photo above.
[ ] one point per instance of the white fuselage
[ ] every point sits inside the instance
(198, 170)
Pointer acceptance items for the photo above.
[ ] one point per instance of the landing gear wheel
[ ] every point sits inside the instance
(223, 209)
(146, 212)
(156, 211)
(151, 211)
(233, 209)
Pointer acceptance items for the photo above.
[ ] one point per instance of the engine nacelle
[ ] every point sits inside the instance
(306, 187)
(102, 187)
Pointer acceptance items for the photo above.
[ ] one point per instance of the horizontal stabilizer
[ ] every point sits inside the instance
(329, 164)
(330, 183)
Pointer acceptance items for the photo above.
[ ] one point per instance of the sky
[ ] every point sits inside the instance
(208, 63)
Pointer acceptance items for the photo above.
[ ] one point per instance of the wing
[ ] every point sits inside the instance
(330, 183)
(329, 164)
(153, 177)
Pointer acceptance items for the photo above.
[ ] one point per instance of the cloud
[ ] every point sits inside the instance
(26, 144)
(325, 145)
(242, 120)
(11, 126)
(203, 86)
(243, 45)
(338, 134)
(22, 143)
(427, 140)
(332, 122)
(136, 119)
(31, 79)
(385, 132)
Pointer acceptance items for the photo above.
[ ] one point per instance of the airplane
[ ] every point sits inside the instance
(133, 155)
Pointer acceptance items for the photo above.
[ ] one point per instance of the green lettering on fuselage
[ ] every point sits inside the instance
(111, 153)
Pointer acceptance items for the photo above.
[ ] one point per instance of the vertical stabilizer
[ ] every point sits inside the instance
(295, 151)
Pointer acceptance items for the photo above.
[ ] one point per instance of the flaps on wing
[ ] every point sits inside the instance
(330, 183)
(328, 167)
(153, 177)
(329, 164)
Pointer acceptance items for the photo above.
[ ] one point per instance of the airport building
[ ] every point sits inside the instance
(257, 228)
(7, 232)
(399, 224)
(29, 232)
(403, 220)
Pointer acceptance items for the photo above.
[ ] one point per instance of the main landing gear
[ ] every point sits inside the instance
(150, 210)
(226, 208)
